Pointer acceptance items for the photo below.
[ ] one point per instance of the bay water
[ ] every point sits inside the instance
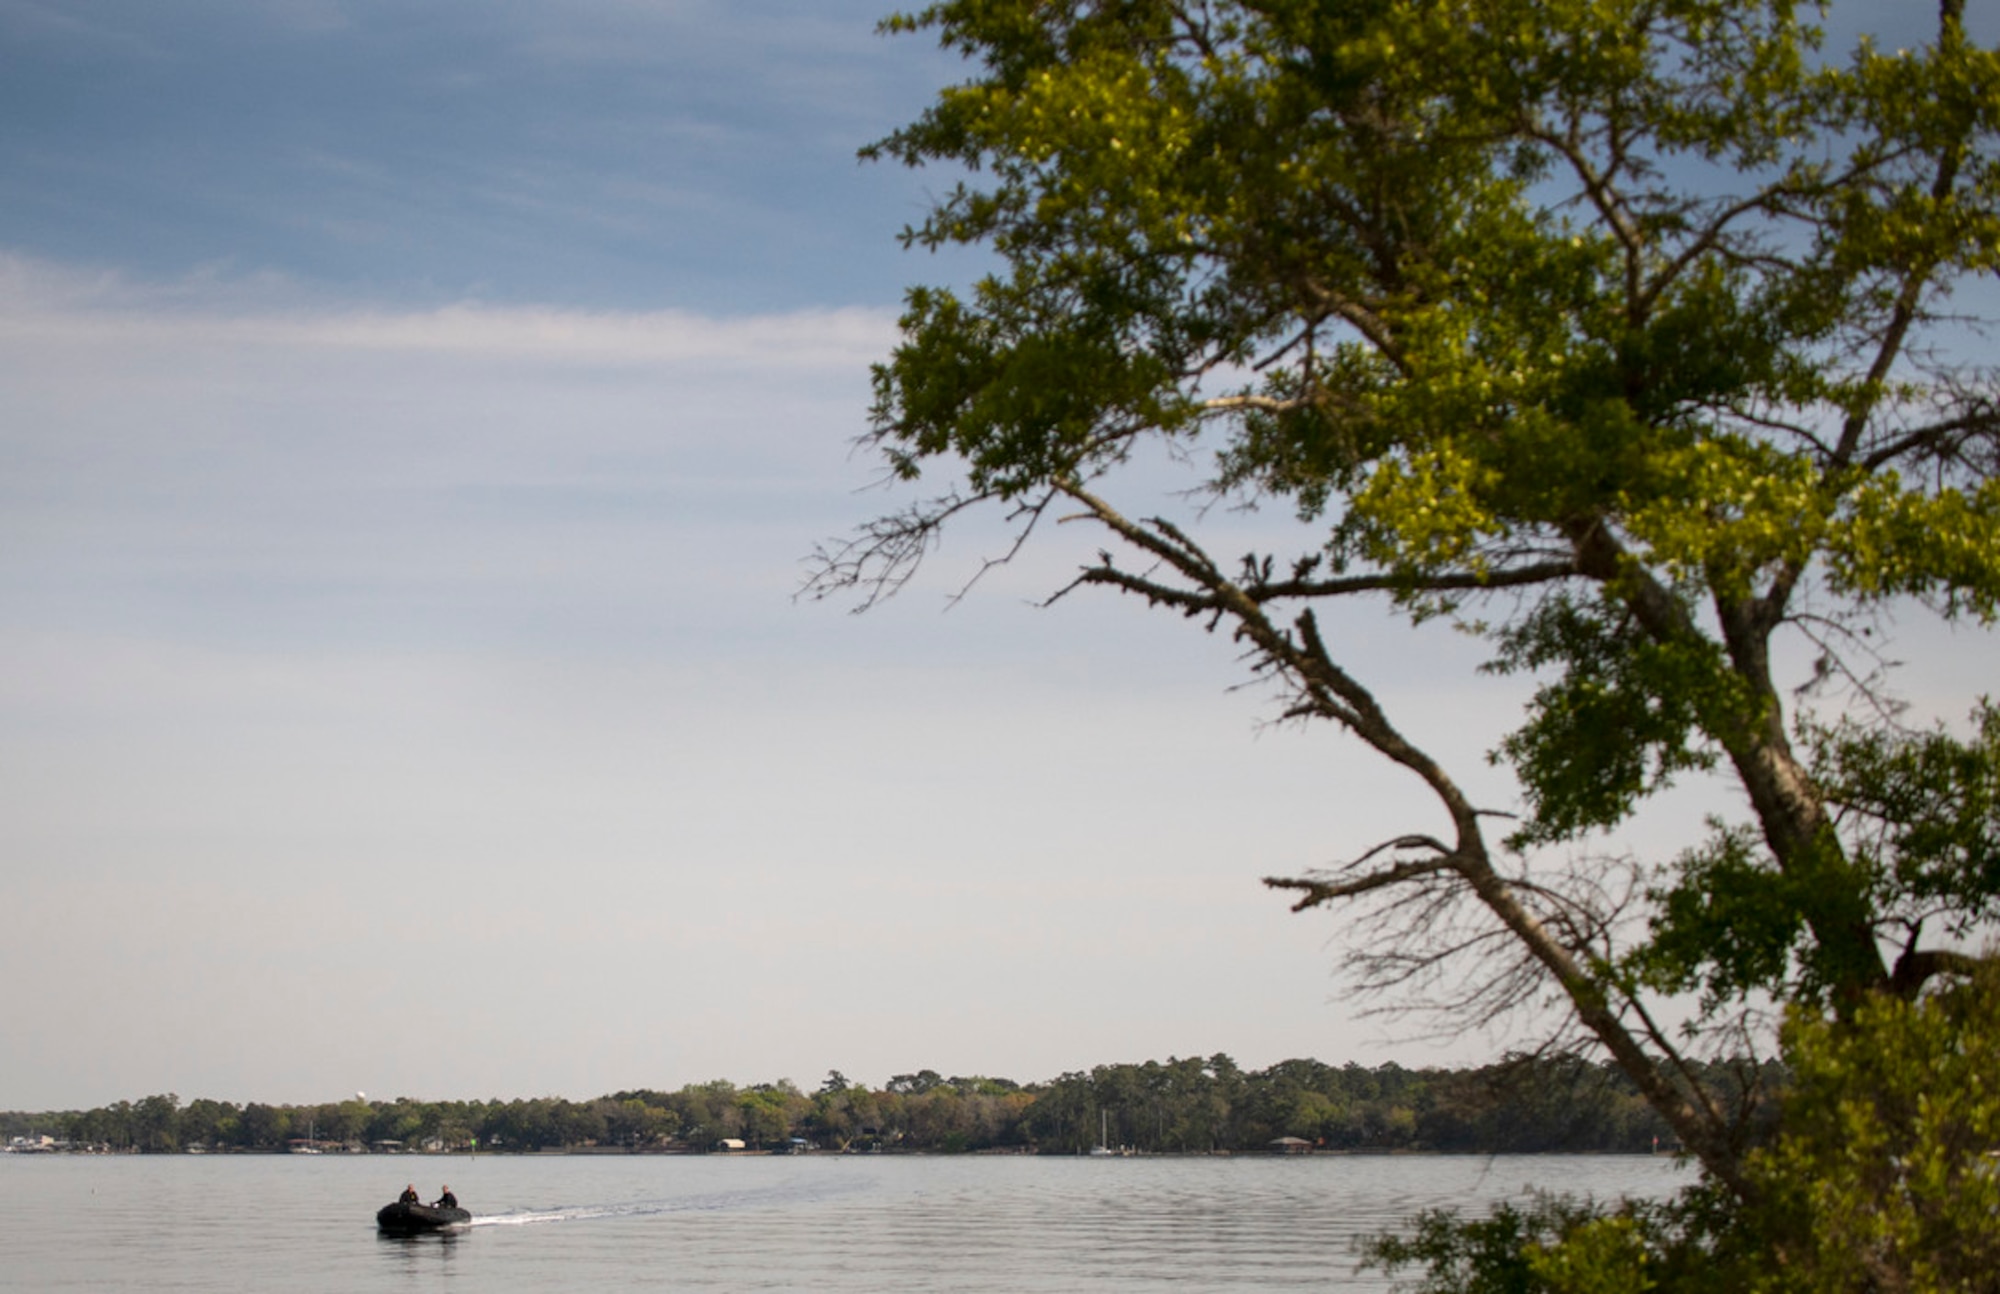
(1041, 1225)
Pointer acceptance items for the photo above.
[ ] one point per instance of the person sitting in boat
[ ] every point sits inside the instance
(447, 1200)
(409, 1195)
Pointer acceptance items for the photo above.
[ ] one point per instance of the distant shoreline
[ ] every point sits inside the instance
(1191, 1107)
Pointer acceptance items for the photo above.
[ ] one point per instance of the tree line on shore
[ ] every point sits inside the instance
(1521, 1104)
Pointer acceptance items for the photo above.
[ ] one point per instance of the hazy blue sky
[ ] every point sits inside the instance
(412, 421)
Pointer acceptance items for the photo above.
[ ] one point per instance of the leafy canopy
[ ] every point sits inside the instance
(1624, 323)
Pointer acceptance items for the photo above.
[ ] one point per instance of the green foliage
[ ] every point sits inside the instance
(1883, 1176)
(1489, 1255)
(1604, 1255)
(1918, 814)
(1880, 1178)
(1621, 719)
(1625, 304)
(1729, 923)
(1552, 1244)
(1628, 317)
(1194, 1105)
(1179, 188)
(1923, 813)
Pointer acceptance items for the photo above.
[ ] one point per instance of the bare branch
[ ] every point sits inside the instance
(1942, 441)
(1918, 966)
(1321, 890)
(883, 555)
(1400, 582)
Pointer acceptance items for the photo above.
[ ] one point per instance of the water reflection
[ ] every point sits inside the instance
(419, 1256)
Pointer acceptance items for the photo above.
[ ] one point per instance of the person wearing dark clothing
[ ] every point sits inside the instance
(447, 1200)
(409, 1195)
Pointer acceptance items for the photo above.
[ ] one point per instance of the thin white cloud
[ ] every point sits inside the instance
(52, 303)
(31, 20)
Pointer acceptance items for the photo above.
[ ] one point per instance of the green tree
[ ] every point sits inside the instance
(401, 1121)
(1612, 332)
(1064, 1115)
(265, 1127)
(156, 1123)
(343, 1121)
(205, 1122)
(518, 1125)
(630, 1121)
(1878, 1178)
(1881, 1176)
(709, 1111)
(842, 1114)
(770, 1111)
(105, 1126)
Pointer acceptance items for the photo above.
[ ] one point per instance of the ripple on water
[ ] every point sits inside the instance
(823, 1223)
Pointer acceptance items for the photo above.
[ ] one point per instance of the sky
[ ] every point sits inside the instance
(414, 423)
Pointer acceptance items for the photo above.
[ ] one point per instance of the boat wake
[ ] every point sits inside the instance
(714, 1202)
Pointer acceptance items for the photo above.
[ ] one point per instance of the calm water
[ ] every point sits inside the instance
(821, 1223)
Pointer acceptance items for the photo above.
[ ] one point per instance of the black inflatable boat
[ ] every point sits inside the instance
(415, 1219)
